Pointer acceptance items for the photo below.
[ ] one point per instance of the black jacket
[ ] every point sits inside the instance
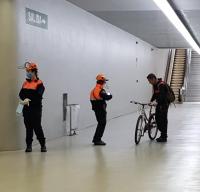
(101, 104)
(160, 92)
(34, 93)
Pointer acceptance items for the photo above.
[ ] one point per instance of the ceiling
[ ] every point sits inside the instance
(143, 19)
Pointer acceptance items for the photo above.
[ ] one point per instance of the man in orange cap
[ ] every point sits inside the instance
(98, 98)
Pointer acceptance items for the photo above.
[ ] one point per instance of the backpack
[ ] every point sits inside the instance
(170, 93)
(171, 96)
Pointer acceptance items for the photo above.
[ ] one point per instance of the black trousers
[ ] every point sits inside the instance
(161, 119)
(101, 119)
(32, 121)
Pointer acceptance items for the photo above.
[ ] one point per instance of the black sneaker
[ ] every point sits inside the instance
(43, 149)
(99, 143)
(161, 140)
(28, 149)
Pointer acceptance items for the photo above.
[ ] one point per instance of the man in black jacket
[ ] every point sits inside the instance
(160, 92)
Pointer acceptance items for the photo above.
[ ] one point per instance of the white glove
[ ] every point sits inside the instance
(153, 103)
(25, 101)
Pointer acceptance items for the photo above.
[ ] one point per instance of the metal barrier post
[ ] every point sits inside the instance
(72, 131)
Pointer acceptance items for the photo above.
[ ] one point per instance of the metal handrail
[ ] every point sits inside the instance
(170, 66)
(187, 70)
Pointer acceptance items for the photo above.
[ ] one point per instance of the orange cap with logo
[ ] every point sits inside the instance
(101, 77)
(30, 66)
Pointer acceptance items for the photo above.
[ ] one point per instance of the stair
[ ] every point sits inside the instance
(178, 71)
(193, 84)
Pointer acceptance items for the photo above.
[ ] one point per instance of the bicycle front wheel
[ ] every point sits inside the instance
(139, 129)
(153, 129)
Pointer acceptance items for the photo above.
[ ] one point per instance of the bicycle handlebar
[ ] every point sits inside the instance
(143, 104)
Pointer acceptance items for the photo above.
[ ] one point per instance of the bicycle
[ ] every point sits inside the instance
(145, 123)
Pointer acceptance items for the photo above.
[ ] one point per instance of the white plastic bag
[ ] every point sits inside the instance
(19, 108)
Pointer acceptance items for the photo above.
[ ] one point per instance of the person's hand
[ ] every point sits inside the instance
(25, 102)
(153, 103)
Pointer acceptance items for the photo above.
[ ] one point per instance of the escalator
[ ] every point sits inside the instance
(193, 76)
(176, 72)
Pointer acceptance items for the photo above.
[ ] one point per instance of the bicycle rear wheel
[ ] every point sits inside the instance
(139, 129)
(152, 127)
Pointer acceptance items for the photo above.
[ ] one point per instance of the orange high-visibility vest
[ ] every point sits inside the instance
(95, 93)
(32, 84)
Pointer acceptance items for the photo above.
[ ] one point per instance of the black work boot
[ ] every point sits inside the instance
(43, 149)
(99, 142)
(28, 148)
(43, 145)
(161, 139)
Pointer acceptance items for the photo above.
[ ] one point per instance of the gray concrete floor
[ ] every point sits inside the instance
(73, 164)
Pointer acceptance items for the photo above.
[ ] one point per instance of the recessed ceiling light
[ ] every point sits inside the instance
(171, 15)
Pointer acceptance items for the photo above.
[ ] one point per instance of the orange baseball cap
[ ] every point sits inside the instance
(101, 77)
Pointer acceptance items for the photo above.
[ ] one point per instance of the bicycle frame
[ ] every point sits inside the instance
(143, 113)
(145, 122)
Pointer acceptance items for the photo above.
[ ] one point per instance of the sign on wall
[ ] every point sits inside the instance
(36, 18)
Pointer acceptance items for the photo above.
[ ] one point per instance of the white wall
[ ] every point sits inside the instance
(77, 46)
(162, 63)
(8, 78)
